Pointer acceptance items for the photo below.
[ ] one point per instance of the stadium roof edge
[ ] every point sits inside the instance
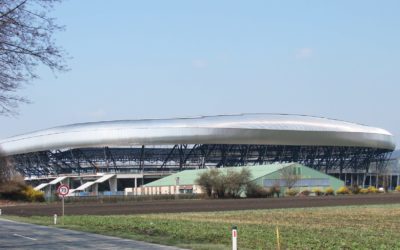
(265, 129)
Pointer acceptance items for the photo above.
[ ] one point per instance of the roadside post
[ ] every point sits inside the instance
(0, 211)
(55, 219)
(278, 240)
(62, 190)
(234, 237)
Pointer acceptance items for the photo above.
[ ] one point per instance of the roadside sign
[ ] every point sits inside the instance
(63, 190)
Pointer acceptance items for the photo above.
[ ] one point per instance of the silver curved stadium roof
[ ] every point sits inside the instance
(267, 129)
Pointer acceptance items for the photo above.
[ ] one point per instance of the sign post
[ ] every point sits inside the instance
(62, 190)
(278, 241)
(234, 237)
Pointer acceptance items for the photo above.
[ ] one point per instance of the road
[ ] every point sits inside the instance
(17, 235)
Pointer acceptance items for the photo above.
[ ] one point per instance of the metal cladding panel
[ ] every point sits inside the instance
(267, 129)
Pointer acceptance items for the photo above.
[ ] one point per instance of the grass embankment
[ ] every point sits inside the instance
(347, 227)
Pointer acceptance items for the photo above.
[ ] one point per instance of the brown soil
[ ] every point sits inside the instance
(174, 206)
(7, 203)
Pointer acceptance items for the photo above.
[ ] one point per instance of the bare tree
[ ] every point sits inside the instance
(205, 180)
(7, 171)
(216, 183)
(12, 184)
(212, 183)
(236, 182)
(26, 41)
(290, 176)
(383, 175)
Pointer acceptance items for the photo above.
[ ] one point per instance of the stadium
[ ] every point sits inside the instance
(134, 152)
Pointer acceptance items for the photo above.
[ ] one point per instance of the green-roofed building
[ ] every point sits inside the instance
(263, 175)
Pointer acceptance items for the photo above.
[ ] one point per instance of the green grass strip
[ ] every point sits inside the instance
(343, 227)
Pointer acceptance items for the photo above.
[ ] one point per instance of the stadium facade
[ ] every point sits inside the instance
(154, 147)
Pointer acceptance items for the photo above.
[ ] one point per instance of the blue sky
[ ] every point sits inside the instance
(160, 59)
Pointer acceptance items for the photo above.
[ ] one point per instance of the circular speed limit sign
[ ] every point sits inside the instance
(63, 190)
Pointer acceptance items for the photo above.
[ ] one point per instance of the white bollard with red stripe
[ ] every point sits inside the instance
(234, 237)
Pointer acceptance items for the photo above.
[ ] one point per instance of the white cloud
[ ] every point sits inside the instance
(199, 63)
(304, 53)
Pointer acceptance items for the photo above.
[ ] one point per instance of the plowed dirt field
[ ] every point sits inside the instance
(174, 206)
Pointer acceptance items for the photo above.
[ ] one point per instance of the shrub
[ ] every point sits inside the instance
(305, 192)
(317, 192)
(12, 190)
(355, 189)
(398, 189)
(276, 189)
(372, 190)
(343, 190)
(329, 191)
(17, 190)
(292, 192)
(256, 191)
(33, 195)
(369, 190)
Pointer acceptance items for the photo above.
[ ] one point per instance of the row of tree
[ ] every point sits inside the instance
(218, 184)
(231, 184)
